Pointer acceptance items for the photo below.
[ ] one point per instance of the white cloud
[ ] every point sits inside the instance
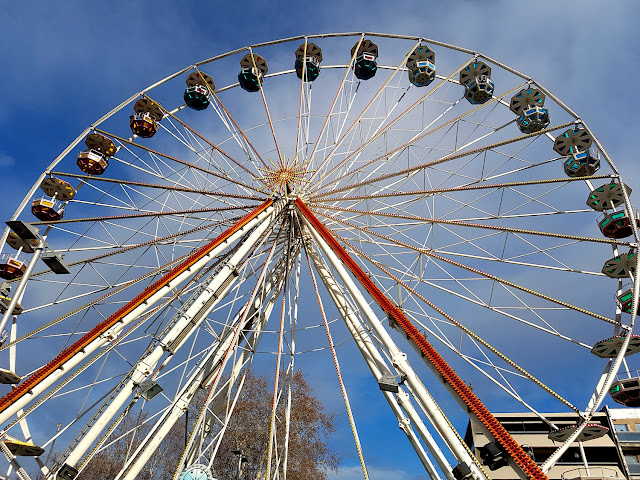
(6, 160)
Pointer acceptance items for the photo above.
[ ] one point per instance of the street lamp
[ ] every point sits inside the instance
(241, 459)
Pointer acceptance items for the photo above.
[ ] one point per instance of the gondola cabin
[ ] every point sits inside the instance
(625, 301)
(5, 300)
(143, 121)
(626, 392)
(47, 209)
(581, 165)
(421, 66)
(476, 78)
(533, 120)
(253, 68)
(196, 97)
(365, 64)
(11, 268)
(92, 162)
(143, 125)
(528, 104)
(308, 58)
(617, 224)
(199, 87)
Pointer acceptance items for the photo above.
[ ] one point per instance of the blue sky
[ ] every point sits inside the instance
(66, 64)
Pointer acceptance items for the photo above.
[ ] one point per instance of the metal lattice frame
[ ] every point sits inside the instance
(395, 196)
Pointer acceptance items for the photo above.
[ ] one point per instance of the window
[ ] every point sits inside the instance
(638, 427)
(621, 427)
(630, 459)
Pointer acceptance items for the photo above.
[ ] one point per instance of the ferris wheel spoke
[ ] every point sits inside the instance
(176, 188)
(467, 187)
(221, 176)
(388, 125)
(238, 134)
(178, 213)
(442, 221)
(339, 373)
(119, 249)
(462, 393)
(424, 133)
(172, 116)
(444, 159)
(344, 98)
(433, 255)
(12, 402)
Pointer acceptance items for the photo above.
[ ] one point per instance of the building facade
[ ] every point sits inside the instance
(607, 457)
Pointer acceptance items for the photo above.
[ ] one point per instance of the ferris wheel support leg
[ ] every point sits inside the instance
(188, 322)
(442, 425)
(377, 365)
(267, 297)
(211, 369)
(521, 463)
(109, 329)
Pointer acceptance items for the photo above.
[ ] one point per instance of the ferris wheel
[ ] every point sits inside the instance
(419, 208)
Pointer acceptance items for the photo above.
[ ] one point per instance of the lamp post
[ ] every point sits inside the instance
(241, 459)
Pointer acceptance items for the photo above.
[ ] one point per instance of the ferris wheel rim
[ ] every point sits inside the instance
(49, 170)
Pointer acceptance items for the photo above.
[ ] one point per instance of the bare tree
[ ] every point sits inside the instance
(309, 456)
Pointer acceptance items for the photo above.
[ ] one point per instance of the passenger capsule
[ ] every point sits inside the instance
(476, 78)
(94, 160)
(581, 165)
(11, 268)
(143, 121)
(308, 61)
(528, 104)
(421, 66)
(253, 68)
(625, 301)
(47, 209)
(365, 64)
(607, 196)
(626, 392)
(5, 300)
(617, 224)
(199, 86)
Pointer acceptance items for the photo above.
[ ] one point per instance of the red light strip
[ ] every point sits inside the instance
(528, 466)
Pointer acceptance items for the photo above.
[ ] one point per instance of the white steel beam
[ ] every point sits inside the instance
(188, 322)
(378, 366)
(401, 364)
(264, 218)
(202, 377)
